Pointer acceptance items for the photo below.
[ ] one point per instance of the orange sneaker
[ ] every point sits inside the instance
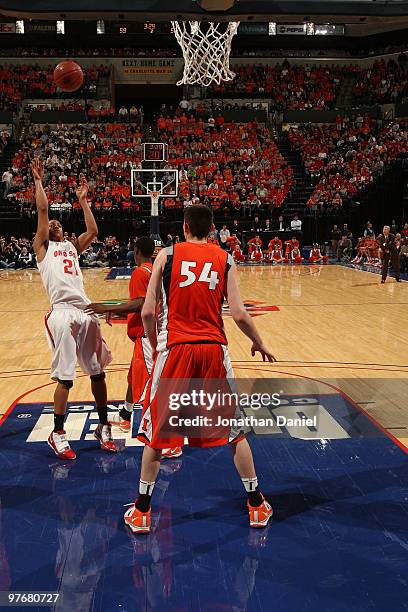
(57, 440)
(172, 453)
(138, 522)
(259, 516)
(116, 420)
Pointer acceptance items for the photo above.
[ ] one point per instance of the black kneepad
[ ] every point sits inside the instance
(68, 384)
(98, 377)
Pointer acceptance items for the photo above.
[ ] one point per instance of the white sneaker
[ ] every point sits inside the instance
(57, 440)
(103, 434)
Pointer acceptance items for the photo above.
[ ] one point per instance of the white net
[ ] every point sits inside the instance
(206, 50)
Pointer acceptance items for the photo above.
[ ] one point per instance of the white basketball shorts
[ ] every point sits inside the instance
(74, 336)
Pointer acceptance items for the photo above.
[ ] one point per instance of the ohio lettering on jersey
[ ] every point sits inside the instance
(62, 276)
(70, 265)
(66, 254)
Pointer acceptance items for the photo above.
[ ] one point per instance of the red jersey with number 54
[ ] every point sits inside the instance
(62, 276)
(193, 290)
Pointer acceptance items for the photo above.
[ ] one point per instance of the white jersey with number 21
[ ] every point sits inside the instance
(61, 275)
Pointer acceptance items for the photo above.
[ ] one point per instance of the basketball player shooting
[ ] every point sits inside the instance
(189, 282)
(72, 334)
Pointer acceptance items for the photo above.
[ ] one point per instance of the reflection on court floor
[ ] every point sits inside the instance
(338, 500)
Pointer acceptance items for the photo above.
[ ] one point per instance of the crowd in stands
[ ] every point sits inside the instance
(104, 154)
(288, 86)
(5, 135)
(342, 159)
(31, 81)
(291, 87)
(18, 253)
(384, 82)
(231, 167)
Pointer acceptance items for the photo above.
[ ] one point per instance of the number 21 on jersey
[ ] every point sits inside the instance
(70, 267)
(206, 276)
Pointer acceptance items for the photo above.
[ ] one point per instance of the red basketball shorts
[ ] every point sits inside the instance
(140, 369)
(175, 371)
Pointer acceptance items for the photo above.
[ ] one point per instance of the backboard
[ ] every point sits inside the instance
(144, 181)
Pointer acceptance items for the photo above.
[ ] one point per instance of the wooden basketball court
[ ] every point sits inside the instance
(333, 326)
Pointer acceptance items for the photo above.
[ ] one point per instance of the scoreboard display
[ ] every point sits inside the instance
(125, 28)
(154, 151)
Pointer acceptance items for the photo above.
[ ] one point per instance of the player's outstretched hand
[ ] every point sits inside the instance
(37, 168)
(82, 190)
(98, 309)
(266, 354)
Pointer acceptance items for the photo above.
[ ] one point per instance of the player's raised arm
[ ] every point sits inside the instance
(85, 239)
(242, 318)
(41, 201)
(152, 297)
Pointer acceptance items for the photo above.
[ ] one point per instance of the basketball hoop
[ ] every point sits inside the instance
(155, 195)
(206, 50)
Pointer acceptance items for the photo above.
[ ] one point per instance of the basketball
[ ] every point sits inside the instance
(68, 76)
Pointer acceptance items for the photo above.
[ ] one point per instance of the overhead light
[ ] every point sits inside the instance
(329, 29)
(60, 27)
(100, 26)
(19, 26)
(310, 30)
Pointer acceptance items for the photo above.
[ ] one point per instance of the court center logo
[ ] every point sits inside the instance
(321, 417)
(255, 308)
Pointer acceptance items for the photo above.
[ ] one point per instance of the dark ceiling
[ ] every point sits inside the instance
(351, 11)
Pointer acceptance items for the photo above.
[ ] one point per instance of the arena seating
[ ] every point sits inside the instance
(344, 158)
(103, 154)
(235, 168)
(384, 82)
(18, 253)
(30, 81)
(231, 167)
(291, 87)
